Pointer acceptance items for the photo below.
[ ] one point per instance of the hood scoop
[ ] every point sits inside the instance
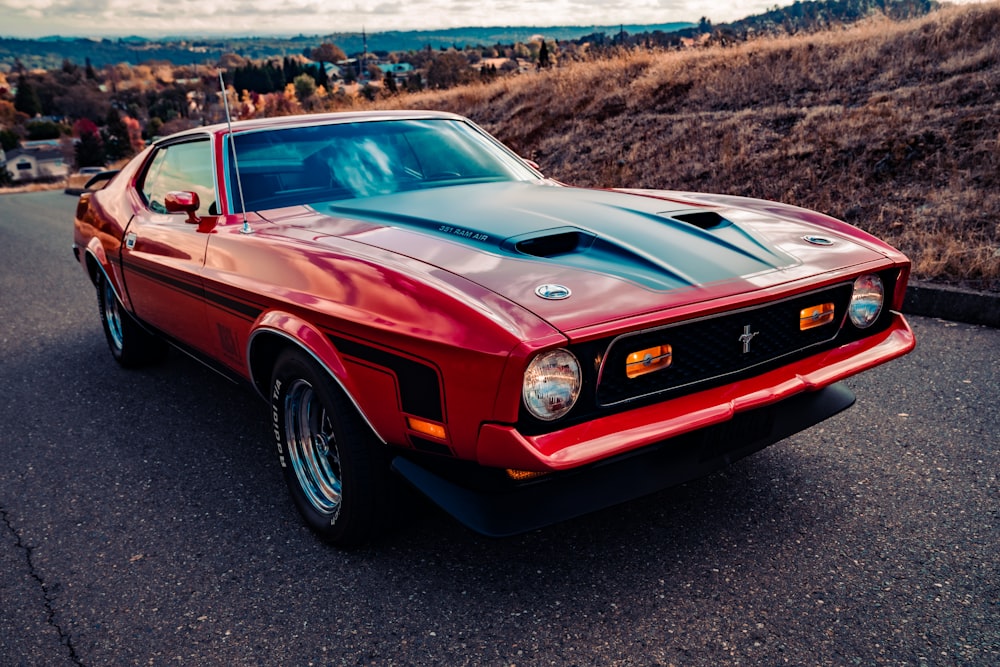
(702, 219)
(586, 250)
(550, 242)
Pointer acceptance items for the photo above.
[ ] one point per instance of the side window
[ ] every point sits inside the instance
(186, 167)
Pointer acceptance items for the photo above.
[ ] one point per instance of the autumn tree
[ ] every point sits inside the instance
(231, 61)
(8, 114)
(89, 149)
(326, 52)
(117, 144)
(83, 100)
(134, 131)
(449, 69)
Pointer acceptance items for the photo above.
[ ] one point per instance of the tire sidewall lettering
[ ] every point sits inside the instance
(276, 420)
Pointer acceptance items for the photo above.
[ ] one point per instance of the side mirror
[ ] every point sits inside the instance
(183, 202)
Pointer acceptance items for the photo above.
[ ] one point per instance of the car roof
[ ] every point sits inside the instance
(304, 120)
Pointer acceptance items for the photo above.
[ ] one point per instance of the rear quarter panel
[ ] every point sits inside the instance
(100, 222)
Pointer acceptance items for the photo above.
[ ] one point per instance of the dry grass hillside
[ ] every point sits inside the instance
(894, 127)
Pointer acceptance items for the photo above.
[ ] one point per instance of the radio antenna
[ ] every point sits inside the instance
(236, 165)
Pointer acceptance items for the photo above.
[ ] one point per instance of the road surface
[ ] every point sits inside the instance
(144, 521)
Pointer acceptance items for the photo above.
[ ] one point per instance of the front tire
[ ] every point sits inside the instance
(130, 344)
(336, 470)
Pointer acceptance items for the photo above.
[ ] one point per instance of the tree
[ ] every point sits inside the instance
(9, 140)
(134, 131)
(543, 56)
(305, 87)
(8, 114)
(389, 83)
(89, 150)
(43, 129)
(231, 61)
(413, 82)
(449, 69)
(326, 53)
(117, 143)
(153, 127)
(322, 79)
(26, 98)
(84, 100)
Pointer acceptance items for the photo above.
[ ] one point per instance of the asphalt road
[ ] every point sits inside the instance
(145, 522)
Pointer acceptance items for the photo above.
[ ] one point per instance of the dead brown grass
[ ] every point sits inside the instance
(894, 127)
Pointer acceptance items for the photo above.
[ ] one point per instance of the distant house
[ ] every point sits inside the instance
(399, 71)
(333, 72)
(39, 163)
(358, 65)
(507, 65)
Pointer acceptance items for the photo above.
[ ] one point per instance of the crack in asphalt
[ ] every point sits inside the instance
(50, 614)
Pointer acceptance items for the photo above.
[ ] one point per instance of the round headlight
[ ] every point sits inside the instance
(551, 384)
(866, 302)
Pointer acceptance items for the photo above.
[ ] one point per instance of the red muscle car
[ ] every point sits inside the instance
(414, 300)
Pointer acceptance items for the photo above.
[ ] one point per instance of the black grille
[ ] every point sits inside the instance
(719, 346)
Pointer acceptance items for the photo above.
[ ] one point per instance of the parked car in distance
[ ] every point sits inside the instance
(414, 301)
(85, 179)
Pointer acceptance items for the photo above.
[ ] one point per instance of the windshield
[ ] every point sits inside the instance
(307, 165)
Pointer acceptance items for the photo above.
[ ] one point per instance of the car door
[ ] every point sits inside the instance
(164, 252)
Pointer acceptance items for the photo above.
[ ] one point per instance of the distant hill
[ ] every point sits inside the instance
(460, 37)
(49, 52)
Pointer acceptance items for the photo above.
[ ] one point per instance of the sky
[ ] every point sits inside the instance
(155, 18)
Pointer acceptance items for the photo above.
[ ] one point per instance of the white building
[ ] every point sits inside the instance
(37, 164)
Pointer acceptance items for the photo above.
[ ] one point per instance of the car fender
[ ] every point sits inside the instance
(273, 332)
(95, 260)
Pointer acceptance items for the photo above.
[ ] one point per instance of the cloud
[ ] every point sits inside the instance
(32, 18)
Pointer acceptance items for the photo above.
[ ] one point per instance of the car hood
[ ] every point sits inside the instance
(620, 254)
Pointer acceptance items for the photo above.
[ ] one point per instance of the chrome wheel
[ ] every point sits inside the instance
(312, 448)
(336, 469)
(130, 344)
(112, 317)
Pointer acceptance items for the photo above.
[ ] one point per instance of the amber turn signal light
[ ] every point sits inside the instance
(427, 428)
(650, 360)
(815, 316)
(522, 475)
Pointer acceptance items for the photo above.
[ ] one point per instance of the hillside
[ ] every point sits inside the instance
(894, 127)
